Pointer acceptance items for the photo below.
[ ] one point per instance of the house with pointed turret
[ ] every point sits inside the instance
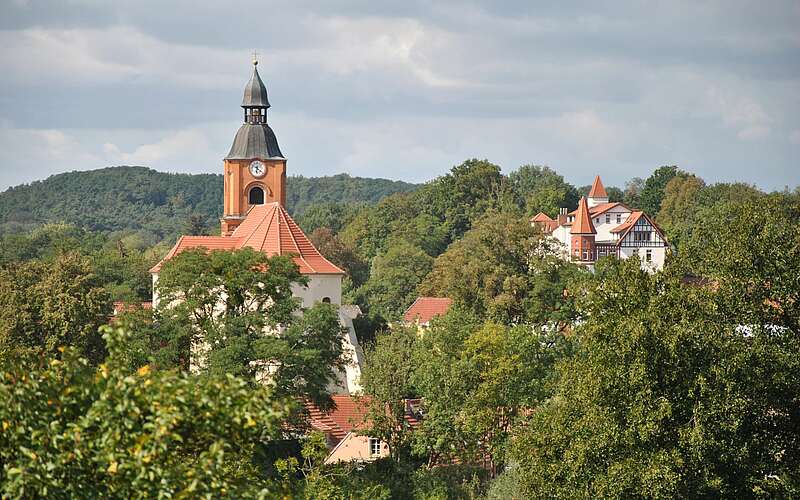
(255, 216)
(599, 228)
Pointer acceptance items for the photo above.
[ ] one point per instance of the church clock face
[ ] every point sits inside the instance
(257, 169)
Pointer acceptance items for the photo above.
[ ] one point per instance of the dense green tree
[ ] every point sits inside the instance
(386, 382)
(679, 203)
(371, 229)
(70, 430)
(239, 306)
(541, 189)
(303, 192)
(633, 192)
(333, 216)
(394, 279)
(504, 270)
(335, 250)
(46, 305)
(680, 390)
(652, 192)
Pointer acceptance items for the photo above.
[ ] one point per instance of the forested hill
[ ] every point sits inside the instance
(144, 200)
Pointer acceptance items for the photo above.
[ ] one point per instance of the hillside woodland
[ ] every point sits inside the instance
(543, 380)
(155, 206)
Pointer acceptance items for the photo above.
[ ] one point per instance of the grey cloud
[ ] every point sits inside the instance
(406, 89)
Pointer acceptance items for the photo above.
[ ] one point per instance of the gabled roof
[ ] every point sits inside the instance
(583, 221)
(541, 217)
(425, 309)
(349, 415)
(269, 229)
(631, 221)
(598, 190)
(602, 208)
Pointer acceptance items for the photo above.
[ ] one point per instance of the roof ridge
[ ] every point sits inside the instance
(293, 238)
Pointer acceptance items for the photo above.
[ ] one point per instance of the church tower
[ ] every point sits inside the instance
(255, 169)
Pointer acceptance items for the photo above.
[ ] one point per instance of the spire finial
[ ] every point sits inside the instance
(255, 58)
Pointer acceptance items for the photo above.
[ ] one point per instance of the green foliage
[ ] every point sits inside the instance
(303, 192)
(386, 381)
(476, 381)
(680, 201)
(503, 269)
(541, 189)
(652, 192)
(344, 256)
(631, 196)
(239, 306)
(332, 216)
(73, 430)
(46, 305)
(668, 395)
(393, 281)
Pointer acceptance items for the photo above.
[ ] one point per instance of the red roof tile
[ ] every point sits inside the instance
(602, 208)
(426, 308)
(583, 221)
(349, 414)
(598, 190)
(267, 228)
(541, 217)
(629, 222)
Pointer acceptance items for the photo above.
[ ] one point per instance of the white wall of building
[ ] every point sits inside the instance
(604, 228)
(320, 286)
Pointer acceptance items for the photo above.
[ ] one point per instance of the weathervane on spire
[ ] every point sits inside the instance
(255, 58)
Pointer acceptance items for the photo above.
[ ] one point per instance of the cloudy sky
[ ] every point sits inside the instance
(405, 90)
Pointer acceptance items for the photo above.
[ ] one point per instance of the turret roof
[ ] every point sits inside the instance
(583, 221)
(255, 93)
(598, 190)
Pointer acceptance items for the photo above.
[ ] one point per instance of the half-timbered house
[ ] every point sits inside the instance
(599, 228)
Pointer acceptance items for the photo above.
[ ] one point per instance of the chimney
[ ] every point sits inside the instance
(562, 216)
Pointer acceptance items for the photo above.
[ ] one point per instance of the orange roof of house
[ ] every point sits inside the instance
(269, 229)
(583, 221)
(630, 221)
(626, 226)
(598, 190)
(541, 217)
(425, 309)
(602, 208)
(349, 414)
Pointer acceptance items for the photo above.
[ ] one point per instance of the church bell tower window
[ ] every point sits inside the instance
(256, 196)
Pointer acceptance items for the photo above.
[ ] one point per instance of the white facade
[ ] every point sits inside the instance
(644, 238)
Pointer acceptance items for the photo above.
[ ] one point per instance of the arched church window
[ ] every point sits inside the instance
(256, 196)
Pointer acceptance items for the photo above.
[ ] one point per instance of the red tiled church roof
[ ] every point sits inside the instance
(583, 221)
(267, 228)
(426, 308)
(598, 190)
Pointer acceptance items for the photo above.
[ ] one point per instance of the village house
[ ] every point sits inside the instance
(255, 217)
(424, 309)
(342, 425)
(599, 228)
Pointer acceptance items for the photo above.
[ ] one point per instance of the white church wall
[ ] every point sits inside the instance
(320, 286)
